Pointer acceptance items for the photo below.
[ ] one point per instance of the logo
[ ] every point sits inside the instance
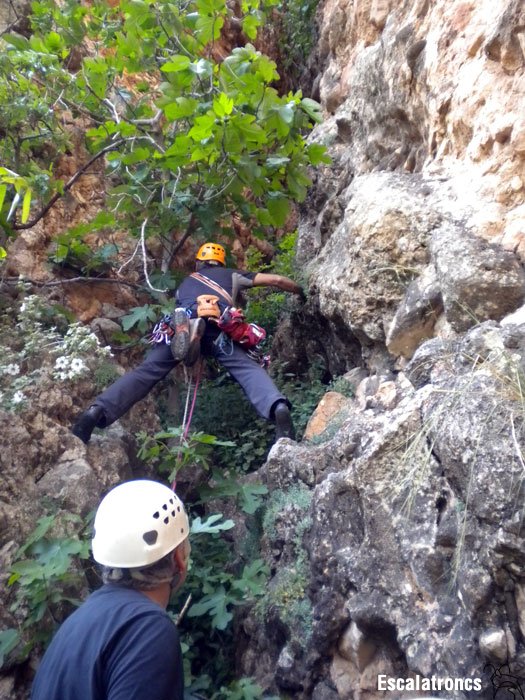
(505, 684)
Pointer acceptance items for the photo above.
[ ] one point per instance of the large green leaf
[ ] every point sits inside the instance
(9, 639)
(313, 109)
(211, 525)
(279, 208)
(175, 64)
(202, 128)
(140, 316)
(180, 108)
(317, 154)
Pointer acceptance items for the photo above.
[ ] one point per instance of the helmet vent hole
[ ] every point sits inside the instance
(156, 515)
(178, 508)
(171, 501)
(165, 506)
(166, 521)
(172, 513)
(150, 537)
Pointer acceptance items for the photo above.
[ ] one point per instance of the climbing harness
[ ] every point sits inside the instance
(231, 321)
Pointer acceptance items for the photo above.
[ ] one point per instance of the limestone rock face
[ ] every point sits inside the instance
(378, 242)
(398, 546)
(400, 549)
(13, 15)
(477, 281)
(402, 265)
(402, 535)
(330, 405)
(416, 316)
(424, 123)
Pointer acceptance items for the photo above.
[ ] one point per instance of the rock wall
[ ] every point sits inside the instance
(405, 555)
(431, 93)
(398, 544)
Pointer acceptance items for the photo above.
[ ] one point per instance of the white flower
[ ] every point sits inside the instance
(18, 397)
(77, 365)
(61, 362)
(12, 369)
(23, 307)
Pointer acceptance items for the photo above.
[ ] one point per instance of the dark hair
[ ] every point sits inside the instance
(207, 263)
(141, 577)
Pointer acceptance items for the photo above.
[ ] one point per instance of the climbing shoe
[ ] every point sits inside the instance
(180, 341)
(197, 328)
(87, 422)
(283, 422)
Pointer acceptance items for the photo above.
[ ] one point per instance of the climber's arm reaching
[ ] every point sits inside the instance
(263, 279)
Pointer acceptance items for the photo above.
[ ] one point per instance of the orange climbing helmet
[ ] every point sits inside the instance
(212, 251)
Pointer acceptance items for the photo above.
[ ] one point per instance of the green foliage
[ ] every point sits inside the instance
(140, 316)
(248, 496)
(104, 375)
(222, 590)
(44, 578)
(9, 640)
(170, 450)
(342, 386)
(288, 598)
(227, 412)
(299, 497)
(217, 584)
(266, 306)
(304, 393)
(243, 689)
(212, 138)
(69, 248)
(296, 33)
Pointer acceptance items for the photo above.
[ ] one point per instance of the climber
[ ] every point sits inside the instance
(203, 296)
(120, 643)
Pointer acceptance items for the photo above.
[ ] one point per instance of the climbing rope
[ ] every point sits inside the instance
(188, 410)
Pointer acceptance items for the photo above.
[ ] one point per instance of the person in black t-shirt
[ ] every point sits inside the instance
(259, 388)
(120, 644)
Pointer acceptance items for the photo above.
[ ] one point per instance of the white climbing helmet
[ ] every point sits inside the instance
(137, 523)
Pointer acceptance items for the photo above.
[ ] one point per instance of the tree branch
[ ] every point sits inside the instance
(54, 199)
(190, 229)
(145, 258)
(75, 280)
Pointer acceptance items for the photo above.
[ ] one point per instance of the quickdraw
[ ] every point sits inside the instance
(162, 331)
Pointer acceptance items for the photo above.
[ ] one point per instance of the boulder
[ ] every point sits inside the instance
(478, 281)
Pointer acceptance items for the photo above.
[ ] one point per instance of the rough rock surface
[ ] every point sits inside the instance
(411, 547)
(425, 127)
(400, 547)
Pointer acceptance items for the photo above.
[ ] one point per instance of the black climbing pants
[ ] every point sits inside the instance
(133, 386)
